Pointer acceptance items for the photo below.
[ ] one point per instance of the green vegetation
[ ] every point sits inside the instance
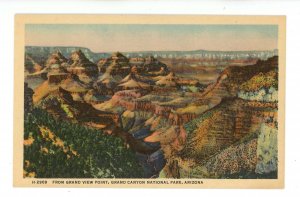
(68, 150)
(67, 110)
(192, 88)
(261, 80)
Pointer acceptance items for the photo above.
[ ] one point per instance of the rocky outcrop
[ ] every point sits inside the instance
(56, 74)
(129, 100)
(234, 160)
(261, 87)
(57, 78)
(168, 80)
(251, 157)
(56, 58)
(263, 94)
(180, 119)
(230, 80)
(31, 66)
(153, 67)
(149, 66)
(79, 64)
(224, 125)
(238, 138)
(117, 64)
(134, 81)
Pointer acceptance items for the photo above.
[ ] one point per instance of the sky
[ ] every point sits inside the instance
(135, 37)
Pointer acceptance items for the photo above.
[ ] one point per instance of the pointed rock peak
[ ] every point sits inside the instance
(56, 58)
(58, 54)
(78, 55)
(118, 55)
(78, 51)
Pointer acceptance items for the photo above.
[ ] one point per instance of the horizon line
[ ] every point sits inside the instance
(153, 50)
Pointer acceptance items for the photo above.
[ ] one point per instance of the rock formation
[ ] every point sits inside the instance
(79, 64)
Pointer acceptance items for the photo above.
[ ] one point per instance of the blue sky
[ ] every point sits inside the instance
(108, 38)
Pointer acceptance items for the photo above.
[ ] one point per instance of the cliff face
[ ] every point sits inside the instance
(55, 79)
(225, 125)
(231, 137)
(80, 64)
(207, 142)
(129, 100)
(255, 156)
(231, 79)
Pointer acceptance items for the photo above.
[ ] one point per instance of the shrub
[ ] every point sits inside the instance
(98, 155)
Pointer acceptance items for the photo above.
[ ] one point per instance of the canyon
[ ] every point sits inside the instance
(178, 127)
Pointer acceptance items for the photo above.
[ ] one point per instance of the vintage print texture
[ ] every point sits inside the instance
(151, 101)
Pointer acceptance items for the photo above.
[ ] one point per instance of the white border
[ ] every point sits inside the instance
(289, 8)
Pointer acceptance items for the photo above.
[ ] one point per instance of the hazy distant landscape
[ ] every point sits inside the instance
(164, 114)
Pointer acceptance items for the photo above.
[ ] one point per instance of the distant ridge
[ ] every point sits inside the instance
(41, 51)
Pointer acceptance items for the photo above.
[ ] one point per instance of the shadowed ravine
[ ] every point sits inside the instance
(149, 154)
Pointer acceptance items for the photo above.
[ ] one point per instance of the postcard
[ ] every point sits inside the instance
(154, 101)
